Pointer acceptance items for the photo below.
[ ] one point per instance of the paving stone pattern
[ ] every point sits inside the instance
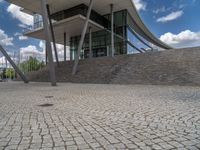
(85, 116)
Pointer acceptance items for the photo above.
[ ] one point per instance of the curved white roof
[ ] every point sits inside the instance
(100, 6)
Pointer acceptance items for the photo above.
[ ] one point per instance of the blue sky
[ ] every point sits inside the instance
(175, 22)
(188, 19)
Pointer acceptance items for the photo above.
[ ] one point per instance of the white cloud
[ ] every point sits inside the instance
(21, 37)
(30, 51)
(185, 38)
(171, 16)
(33, 51)
(4, 39)
(42, 45)
(140, 4)
(60, 51)
(24, 18)
(2, 61)
(161, 9)
(17, 34)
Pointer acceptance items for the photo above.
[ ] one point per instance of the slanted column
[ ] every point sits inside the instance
(46, 55)
(48, 42)
(82, 38)
(52, 34)
(65, 50)
(13, 64)
(112, 30)
(90, 43)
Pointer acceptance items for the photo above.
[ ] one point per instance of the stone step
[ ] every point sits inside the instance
(180, 66)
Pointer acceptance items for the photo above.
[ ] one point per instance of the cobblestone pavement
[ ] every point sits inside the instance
(84, 116)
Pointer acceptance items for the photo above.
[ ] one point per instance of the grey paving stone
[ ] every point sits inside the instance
(86, 116)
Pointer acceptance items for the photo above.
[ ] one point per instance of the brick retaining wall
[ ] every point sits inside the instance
(178, 67)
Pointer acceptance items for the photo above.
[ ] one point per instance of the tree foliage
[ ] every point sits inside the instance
(9, 73)
(31, 65)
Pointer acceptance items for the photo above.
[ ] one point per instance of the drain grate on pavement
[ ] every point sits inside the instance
(48, 96)
(46, 105)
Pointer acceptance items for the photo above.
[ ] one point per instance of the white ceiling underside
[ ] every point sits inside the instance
(100, 6)
(72, 26)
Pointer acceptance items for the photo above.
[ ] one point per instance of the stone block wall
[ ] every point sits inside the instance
(170, 67)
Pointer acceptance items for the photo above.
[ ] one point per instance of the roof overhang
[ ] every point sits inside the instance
(72, 26)
(27, 11)
(100, 6)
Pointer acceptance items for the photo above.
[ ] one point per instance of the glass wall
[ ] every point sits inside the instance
(37, 21)
(132, 39)
(101, 40)
(125, 40)
(80, 10)
(139, 42)
(77, 10)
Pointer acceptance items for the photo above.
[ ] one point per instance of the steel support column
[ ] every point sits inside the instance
(90, 43)
(46, 55)
(65, 50)
(13, 65)
(48, 44)
(52, 35)
(112, 31)
(82, 38)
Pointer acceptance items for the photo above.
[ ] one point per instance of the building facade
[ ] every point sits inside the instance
(101, 39)
(92, 28)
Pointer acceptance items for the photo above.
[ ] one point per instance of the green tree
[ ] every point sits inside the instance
(31, 65)
(1, 74)
(10, 73)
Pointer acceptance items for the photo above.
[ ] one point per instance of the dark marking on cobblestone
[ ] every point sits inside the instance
(46, 105)
(48, 96)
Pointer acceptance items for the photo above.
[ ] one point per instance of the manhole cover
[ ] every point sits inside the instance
(48, 96)
(45, 105)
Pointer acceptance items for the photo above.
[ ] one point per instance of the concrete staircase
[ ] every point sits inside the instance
(179, 67)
